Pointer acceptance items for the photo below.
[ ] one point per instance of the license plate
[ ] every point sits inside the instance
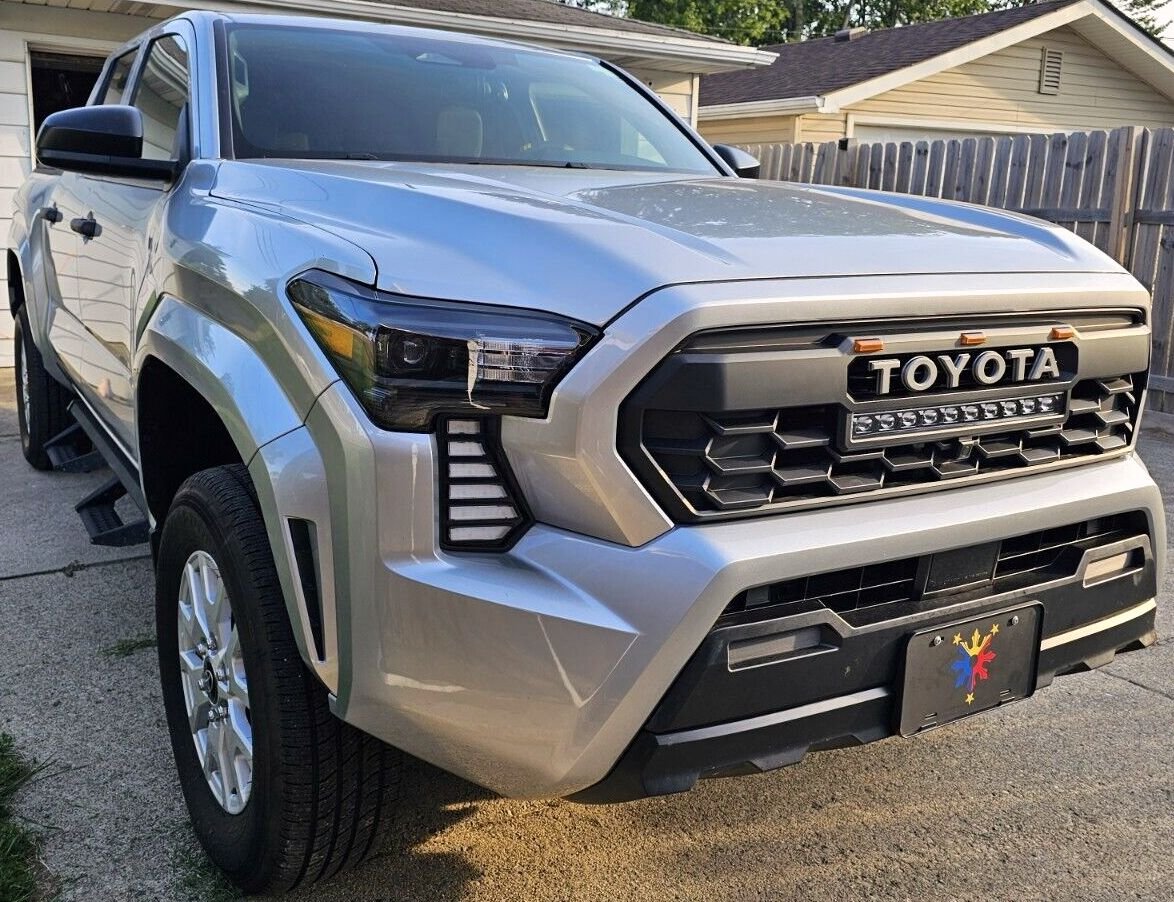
(964, 668)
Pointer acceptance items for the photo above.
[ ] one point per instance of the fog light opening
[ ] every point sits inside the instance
(1112, 567)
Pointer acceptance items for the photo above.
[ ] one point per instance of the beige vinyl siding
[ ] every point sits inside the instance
(750, 130)
(820, 127)
(48, 28)
(15, 148)
(677, 90)
(1003, 89)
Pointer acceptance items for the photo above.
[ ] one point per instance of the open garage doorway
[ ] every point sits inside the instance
(61, 81)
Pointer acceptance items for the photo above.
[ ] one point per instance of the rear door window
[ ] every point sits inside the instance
(162, 95)
(119, 76)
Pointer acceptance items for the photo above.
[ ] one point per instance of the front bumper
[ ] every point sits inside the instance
(533, 672)
(660, 762)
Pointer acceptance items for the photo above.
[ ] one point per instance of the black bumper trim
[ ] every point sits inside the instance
(659, 764)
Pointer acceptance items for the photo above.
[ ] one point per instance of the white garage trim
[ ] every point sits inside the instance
(937, 125)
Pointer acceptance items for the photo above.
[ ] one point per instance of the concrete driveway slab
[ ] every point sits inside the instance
(95, 717)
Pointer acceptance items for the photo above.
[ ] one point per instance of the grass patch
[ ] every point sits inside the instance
(124, 648)
(18, 845)
(197, 877)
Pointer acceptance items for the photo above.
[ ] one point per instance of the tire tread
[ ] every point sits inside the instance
(48, 398)
(336, 779)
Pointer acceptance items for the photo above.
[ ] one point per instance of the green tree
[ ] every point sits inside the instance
(765, 22)
(1145, 13)
(823, 17)
(743, 21)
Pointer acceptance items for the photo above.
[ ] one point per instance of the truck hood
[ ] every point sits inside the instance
(586, 244)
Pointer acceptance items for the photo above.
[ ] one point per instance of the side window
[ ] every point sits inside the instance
(119, 73)
(162, 96)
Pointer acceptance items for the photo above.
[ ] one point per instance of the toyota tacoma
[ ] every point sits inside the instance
(478, 410)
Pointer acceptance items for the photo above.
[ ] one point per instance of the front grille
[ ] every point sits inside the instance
(751, 461)
(1016, 562)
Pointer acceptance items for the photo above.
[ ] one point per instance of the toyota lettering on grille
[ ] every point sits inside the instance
(953, 371)
(946, 371)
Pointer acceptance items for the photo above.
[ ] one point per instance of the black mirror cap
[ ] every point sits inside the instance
(99, 139)
(744, 165)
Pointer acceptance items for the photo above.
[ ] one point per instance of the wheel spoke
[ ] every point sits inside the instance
(232, 662)
(228, 774)
(199, 600)
(190, 631)
(219, 613)
(198, 715)
(238, 686)
(212, 766)
(190, 663)
(240, 730)
(230, 650)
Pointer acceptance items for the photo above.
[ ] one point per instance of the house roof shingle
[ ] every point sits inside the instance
(819, 66)
(551, 12)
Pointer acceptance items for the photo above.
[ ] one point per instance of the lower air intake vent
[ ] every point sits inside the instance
(1013, 563)
(480, 507)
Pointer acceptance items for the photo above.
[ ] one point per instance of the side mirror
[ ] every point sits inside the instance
(101, 139)
(744, 165)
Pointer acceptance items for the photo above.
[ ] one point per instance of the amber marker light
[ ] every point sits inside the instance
(867, 345)
(972, 339)
(1061, 333)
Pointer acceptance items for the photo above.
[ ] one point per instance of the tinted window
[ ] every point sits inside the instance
(333, 93)
(162, 96)
(119, 74)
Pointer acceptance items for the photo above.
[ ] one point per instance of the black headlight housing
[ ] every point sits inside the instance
(420, 365)
(409, 360)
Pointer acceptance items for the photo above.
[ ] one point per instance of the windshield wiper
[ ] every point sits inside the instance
(542, 164)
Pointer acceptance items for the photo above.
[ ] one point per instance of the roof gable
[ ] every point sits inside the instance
(827, 74)
(820, 66)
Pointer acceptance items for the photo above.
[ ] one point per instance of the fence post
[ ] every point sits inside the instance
(1124, 194)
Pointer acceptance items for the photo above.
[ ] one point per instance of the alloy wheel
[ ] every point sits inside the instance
(215, 687)
(25, 398)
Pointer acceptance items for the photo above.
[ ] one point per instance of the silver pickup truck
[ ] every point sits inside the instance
(477, 409)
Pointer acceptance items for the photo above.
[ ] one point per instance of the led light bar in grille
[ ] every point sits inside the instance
(477, 505)
(951, 416)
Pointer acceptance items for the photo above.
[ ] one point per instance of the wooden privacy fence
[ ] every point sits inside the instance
(1114, 189)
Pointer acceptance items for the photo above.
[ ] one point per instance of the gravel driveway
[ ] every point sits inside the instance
(1068, 796)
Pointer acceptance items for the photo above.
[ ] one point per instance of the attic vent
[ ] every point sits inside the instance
(850, 34)
(1049, 71)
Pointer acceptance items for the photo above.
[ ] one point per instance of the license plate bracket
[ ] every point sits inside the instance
(963, 668)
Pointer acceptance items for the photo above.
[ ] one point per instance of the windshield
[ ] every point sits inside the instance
(326, 93)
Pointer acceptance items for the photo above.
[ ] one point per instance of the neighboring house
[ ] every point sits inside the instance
(1060, 65)
(51, 52)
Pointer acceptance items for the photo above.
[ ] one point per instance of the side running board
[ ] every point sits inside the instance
(71, 452)
(102, 521)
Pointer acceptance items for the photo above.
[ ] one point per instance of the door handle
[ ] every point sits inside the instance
(52, 215)
(86, 226)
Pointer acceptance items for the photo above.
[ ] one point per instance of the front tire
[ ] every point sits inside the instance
(279, 790)
(41, 401)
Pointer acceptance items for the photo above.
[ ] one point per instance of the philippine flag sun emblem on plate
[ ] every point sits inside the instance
(970, 665)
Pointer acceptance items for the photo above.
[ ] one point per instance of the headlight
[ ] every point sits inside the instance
(410, 359)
